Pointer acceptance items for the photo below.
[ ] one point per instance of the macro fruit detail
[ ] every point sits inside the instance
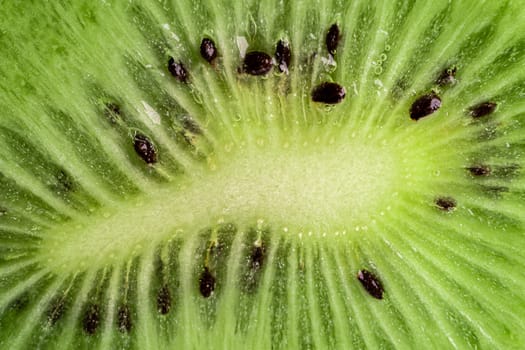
(262, 175)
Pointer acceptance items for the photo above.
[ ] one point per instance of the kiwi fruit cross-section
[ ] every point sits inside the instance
(262, 174)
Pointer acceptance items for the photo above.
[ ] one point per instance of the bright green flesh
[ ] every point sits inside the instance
(327, 190)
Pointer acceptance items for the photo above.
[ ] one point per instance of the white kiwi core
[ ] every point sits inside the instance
(311, 187)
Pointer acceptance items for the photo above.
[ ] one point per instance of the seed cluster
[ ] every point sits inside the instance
(429, 103)
(329, 92)
(259, 63)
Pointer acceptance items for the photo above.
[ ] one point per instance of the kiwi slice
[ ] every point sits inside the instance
(262, 175)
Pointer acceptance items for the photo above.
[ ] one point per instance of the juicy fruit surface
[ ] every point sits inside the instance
(151, 198)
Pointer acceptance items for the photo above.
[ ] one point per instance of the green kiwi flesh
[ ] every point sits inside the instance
(265, 175)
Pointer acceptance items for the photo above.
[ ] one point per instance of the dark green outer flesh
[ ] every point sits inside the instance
(326, 191)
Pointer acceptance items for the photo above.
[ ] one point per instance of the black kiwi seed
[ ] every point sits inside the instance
(479, 170)
(257, 257)
(206, 283)
(65, 182)
(208, 50)
(424, 106)
(112, 112)
(332, 39)
(482, 109)
(187, 138)
(399, 88)
(190, 125)
(145, 148)
(113, 108)
(55, 311)
(257, 63)
(371, 283)
(495, 191)
(447, 77)
(124, 319)
(20, 303)
(3, 211)
(507, 171)
(329, 93)
(446, 203)
(177, 70)
(164, 300)
(283, 56)
(489, 132)
(91, 319)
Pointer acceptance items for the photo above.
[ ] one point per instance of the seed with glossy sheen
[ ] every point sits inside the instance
(329, 93)
(371, 283)
(424, 106)
(208, 50)
(124, 319)
(257, 63)
(332, 39)
(479, 170)
(482, 109)
(91, 319)
(283, 55)
(446, 203)
(164, 300)
(206, 283)
(145, 149)
(177, 70)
